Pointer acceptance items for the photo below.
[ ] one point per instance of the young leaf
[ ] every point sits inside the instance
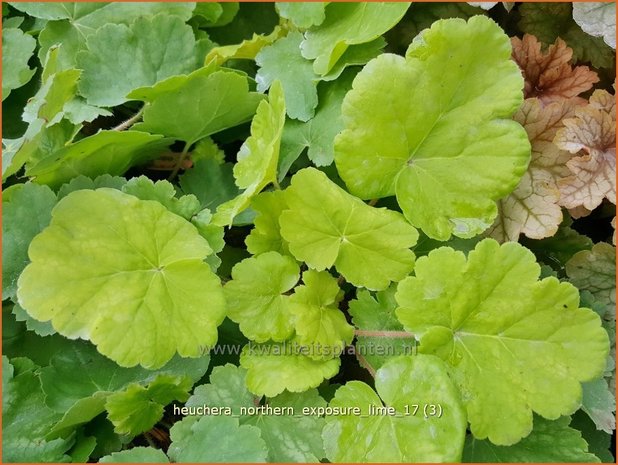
(273, 368)
(146, 265)
(107, 152)
(153, 49)
(550, 442)
(27, 420)
(138, 409)
(163, 192)
(348, 24)
(257, 157)
(595, 271)
(289, 438)
(82, 182)
(192, 107)
(592, 131)
(318, 323)
(25, 214)
(318, 134)
(136, 455)
(532, 208)
(246, 50)
(79, 20)
(415, 140)
(302, 14)
(326, 226)
(549, 76)
(403, 383)
(266, 235)
(516, 345)
(548, 21)
(376, 314)
(212, 439)
(17, 49)
(255, 296)
(49, 101)
(212, 183)
(597, 19)
(282, 61)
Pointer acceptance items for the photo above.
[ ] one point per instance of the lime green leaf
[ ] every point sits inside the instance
(355, 55)
(255, 296)
(404, 384)
(80, 20)
(282, 61)
(549, 442)
(595, 271)
(138, 409)
(82, 182)
(516, 344)
(49, 101)
(107, 152)
(326, 226)
(302, 14)
(136, 455)
(25, 214)
(258, 156)
(348, 24)
(26, 420)
(599, 403)
(318, 134)
(146, 265)
(212, 183)
(273, 368)
(192, 107)
(597, 19)
(17, 49)
(376, 314)
(163, 192)
(289, 437)
(265, 236)
(548, 21)
(212, 439)
(320, 326)
(165, 45)
(415, 140)
(246, 50)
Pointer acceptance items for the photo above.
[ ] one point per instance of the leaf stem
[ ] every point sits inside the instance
(387, 334)
(372, 202)
(365, 364)
(340, 281)
(131, 121)
(180, 161)
(276, 184)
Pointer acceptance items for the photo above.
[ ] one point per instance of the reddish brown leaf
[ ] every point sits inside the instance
(550, 76)
(592, 136)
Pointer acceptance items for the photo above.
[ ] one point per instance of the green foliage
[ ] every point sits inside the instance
(225, 222)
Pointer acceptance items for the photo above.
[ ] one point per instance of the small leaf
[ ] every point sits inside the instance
(273, 368)
(549, 442)
(17, 49)
(153, 49)
(348, 24)
(516, 345)
(395, 142)
(255, 296)
(403, 384)
(137, 409)
(246, 50)
(550, 76)
(258, 156)
(597, 19)
(163, 192)
(145, 266)
(302, 14)
(283, 61)
(593, 172)
(212, 183)
(319, 324)
(266, 235)
(195, 106)
(600, 405)
(326, 226)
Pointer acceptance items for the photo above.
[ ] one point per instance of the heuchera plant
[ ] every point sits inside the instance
(303, 232)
